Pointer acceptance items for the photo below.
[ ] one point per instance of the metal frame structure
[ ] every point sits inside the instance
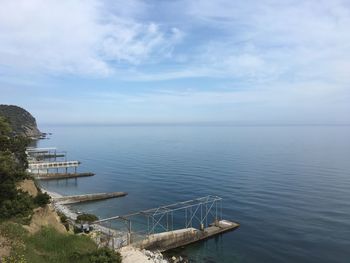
(189, 213)
(195, 210)
(40, 160)
(39, 154)
(40, 166)
(40, 150)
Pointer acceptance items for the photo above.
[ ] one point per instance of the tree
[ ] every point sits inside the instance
(13, 202)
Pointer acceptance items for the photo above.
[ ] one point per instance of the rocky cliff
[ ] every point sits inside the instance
(22, 122)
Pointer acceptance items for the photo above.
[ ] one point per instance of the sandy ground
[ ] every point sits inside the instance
(5, 247)
(133, 255)
(45, 216)
(28, 186)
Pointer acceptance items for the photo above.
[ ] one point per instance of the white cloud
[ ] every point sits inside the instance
(78, 37)
(272, 39)
(256, 41)
(134, 43)
(241, 60)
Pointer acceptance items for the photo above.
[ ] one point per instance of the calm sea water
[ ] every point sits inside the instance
(289, 187)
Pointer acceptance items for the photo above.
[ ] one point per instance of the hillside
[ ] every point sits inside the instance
(21, 121)
(30, 228)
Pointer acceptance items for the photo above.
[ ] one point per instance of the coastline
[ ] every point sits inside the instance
(129, 253)
(64, 209)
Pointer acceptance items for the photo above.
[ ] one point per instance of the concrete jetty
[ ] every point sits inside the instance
(172, 239)
(55, 176)
(40, 164)
(87, 197)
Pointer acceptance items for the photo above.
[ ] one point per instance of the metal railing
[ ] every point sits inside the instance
(199, 212)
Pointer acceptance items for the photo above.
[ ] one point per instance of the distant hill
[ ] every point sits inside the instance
(22, 122)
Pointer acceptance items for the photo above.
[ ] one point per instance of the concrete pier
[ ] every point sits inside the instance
(169, 240)
(55, 176)
(88, 197)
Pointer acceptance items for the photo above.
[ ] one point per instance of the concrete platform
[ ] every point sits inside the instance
(55, 176)
(182, 237)
(88, 197)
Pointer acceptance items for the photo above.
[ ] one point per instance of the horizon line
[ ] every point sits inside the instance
(189, 123)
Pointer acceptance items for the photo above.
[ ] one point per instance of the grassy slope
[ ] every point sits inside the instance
(47, 245)
(50, 246)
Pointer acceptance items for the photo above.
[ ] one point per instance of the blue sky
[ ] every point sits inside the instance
(246, 61)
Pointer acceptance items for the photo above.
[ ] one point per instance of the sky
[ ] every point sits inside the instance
(177, 61)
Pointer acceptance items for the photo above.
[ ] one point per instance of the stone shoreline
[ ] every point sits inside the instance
(129, 253)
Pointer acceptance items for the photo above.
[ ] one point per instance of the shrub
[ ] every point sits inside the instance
(63, 217)
(42, 199)
(86, 218)
(20, 206)
(64, 221)
(100, 255)
(105, 255)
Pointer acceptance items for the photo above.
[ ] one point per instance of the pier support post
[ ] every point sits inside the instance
(216, 222)
(129, 232)
(128, 238)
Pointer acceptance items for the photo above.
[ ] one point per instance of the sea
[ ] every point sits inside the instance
(287, 186)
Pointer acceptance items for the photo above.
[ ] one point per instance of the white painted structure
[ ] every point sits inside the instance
(45, 166)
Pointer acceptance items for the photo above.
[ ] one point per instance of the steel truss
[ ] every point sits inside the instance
(192, 213)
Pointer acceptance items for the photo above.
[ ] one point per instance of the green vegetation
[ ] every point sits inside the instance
(14, 203)
(21, 121)
(64, 220)
(63, 217)
(104, 255)
(49, 246)
(86, 218)
(42, 199)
